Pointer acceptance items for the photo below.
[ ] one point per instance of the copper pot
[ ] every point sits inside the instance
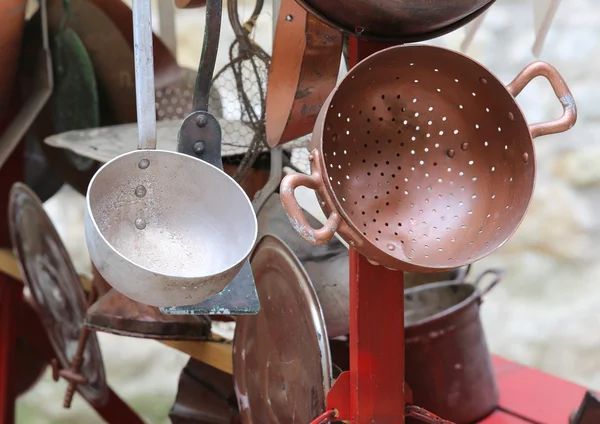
(398, 21)
(448, 365)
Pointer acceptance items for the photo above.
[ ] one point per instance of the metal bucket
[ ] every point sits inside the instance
(448, 365)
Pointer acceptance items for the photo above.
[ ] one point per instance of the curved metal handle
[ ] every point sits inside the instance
(498, 276)
(462, 273)
(295, 214)
(543, 69)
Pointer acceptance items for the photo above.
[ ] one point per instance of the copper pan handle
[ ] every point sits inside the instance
(543, 69)
(295, 214)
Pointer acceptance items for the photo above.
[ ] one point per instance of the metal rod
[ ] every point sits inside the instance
(210, 48)
(144, 74)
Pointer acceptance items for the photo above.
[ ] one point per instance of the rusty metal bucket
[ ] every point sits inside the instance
(448, 365)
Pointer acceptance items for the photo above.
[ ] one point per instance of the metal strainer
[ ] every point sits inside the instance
(422, 158)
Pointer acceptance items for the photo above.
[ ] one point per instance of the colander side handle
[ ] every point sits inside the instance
(295, 214)
(543, 69)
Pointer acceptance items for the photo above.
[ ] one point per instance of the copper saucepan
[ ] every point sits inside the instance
(423, 159)
(397, 21)
(304, 69)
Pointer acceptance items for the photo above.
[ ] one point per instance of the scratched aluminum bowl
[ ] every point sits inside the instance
(167, 229)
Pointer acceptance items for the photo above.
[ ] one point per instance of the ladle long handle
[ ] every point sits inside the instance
(144, 73)
(210, 49)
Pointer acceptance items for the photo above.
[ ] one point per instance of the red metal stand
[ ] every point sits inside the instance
(373, 390)
(10, 297)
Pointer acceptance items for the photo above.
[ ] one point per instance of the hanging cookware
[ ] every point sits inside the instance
(35, 86)
(448, 365)
(156, 221)
(396, 21)
(304, 70)
(281, 358)
(423, 160)
(117, 314)
(12, 24)
(56, 293)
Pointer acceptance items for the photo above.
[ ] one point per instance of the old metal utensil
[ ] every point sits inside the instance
(239, 297)
(448, 364)
(117, 314)
(423, 158)
(39, 83)
(303, 71)
(57, 296)
(281, 357)
(157, 221)
(396, 21)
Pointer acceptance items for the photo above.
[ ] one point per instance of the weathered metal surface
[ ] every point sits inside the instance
(326, 265)
(204, 395)
(304, 70)
(281, 359)
(123, 239)
(54, 288)
(396, 21)
(448, 365)
(117, 314)
(36, 82)
(376, 359)
(210, 48)
(200, 137)
(155, 250)
(12, 24)
(429, 167)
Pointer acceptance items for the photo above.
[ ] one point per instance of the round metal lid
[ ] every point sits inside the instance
(281, 358)
(55, 288)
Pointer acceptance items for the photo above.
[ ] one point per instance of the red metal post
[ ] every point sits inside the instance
(10, 298)
(376, 343)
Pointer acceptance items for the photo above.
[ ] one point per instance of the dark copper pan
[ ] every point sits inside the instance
(396, 21)
(423, 159)
(304, 69)
(12, 23)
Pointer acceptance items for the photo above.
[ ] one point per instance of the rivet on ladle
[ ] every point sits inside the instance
(391, 247)
(464, 146)
(450, 153)
(201, 121)
(525, 157)
(140, 223)
(143, 164)
(199, 146)
(140, 191)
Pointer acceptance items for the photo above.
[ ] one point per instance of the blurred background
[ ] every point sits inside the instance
(545, 314)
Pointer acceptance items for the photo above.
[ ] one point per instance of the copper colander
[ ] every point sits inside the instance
(423, 159)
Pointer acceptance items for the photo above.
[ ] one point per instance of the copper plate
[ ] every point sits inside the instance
(54, 286)
(281, 359)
